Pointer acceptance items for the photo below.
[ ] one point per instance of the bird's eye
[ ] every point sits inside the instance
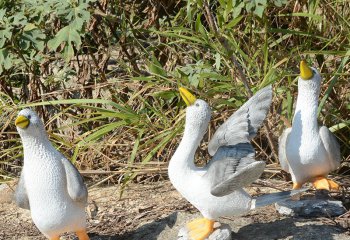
(197, 104)
(29, 117)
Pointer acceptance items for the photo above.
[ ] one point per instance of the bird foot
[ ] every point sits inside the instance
(200, 229)
(82, 235)
(297, 185)
(322, 183)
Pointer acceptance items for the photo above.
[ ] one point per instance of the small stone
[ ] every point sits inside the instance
(217, 225)
(311, 208)
(6, 193)
(223, 232)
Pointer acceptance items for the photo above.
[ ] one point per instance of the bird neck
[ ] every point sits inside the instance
(34, 146)
(305, 117)
(183, 157)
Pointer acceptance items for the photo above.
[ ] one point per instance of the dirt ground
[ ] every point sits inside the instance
(156, 211)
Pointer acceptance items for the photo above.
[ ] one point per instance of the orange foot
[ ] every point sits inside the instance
(200, 229)
(297, 185)
(82, 235)
(322, 183)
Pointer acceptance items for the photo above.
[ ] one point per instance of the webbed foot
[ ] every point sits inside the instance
(200, 229)
(322, 183)
(82, 235)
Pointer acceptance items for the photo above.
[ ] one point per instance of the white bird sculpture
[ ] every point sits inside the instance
(50, 186)
(216, 189)
(306, 150)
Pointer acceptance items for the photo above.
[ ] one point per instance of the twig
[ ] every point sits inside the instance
(101, 172)
(115, 173)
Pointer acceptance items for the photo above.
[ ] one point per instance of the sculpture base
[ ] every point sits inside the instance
(319, 205)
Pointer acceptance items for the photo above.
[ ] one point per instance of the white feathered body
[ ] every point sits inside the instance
(197, 191)
(52, 209)
(189, 181)
(305, 153)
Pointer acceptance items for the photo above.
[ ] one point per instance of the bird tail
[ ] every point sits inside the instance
(271, 198)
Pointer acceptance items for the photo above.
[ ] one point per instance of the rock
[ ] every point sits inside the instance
(6, 193)
(314, 207)
(222, 232)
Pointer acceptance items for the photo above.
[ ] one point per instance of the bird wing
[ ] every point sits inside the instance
(331, 145)
(282, 149)
(75, 185)
(233, 167)
(250, 115)
(21, 197)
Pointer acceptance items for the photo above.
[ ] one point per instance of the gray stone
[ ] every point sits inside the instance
(221, 232)
(311, 207)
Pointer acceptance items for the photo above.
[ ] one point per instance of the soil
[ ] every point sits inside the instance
(156, 211)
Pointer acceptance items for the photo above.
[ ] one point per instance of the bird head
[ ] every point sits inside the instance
(309, 73)
(197, 112)
(309, 76)
(28, 123)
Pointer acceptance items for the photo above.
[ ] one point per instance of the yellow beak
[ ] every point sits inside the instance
(22, 122)
(187, 96)
(305, 71)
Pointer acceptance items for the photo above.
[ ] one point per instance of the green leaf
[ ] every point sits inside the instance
(280, 3)
(259, 11)
(156, 68)
(234, 22)
(29, 27)
(68, 52)
(100, 132)
(189, 11)
(217, 61)
(2, 14)
(339, 126)
(135, 148)
(249, 6)
(237, 10)
(35, 38)
(260, 6)
(19, 19)
(67, 36)
(5, 59)
(199, 26)
(166, 95)
(3, 38)
(301, 14)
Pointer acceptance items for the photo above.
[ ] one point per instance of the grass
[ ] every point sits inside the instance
(114, 109)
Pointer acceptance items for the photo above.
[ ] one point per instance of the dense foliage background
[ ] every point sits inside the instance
(104, 74)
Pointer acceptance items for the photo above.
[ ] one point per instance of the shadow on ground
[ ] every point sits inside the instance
(149, 231)
(286, 228)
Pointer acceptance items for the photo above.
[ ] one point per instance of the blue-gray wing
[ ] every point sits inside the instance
(331, 145)
(21, 197)
(282, 144)
(233, 167)
(75, 185)
(249, 116)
